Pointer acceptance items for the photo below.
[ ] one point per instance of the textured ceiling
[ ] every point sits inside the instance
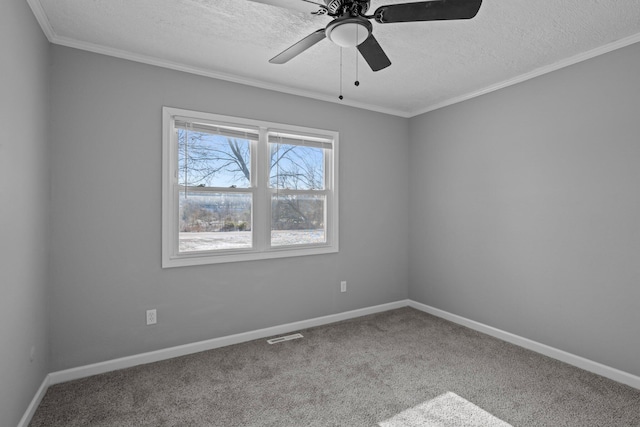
(433, 63)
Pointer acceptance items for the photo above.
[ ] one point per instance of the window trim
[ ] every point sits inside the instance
(261, 206)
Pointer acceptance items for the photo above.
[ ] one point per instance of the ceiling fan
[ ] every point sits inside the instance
(351, 25)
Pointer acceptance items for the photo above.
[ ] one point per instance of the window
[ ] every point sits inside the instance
(238, 189)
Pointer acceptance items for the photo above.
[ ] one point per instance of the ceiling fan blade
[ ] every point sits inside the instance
(299, 47)
(298, 5)
(373, 54)
(435, 10)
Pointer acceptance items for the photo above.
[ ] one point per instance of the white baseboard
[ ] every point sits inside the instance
(182, 350)
(168, 353)
(35, 402)
(563, 356)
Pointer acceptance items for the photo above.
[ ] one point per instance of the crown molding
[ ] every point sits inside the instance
(149, 60)
(618, 44)
(54, 38)
(43, 20)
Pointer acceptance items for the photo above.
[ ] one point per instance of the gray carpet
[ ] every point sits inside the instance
(361, 372)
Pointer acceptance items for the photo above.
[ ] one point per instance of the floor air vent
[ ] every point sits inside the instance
(287, 338)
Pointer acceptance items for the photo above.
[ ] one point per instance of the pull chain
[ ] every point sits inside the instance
(341, 97)
(357, 82)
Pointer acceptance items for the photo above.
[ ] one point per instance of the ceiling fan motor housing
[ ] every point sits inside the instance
(335, 7)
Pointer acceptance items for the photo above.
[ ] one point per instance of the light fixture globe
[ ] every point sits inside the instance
(348, 32)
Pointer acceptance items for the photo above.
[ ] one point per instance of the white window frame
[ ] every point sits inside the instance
(259, 187)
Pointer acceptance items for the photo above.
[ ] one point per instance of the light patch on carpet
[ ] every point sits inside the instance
(446, 410)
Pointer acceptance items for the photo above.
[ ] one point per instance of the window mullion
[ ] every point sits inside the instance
(330, 188)
(262, 211)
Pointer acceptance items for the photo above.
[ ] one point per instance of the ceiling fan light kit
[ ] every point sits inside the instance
(351, 26)
(349, 32)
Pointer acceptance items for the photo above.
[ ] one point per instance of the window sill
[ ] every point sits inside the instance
(204, 259)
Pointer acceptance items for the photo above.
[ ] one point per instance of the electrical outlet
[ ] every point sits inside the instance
(343, 286)
(152, 317)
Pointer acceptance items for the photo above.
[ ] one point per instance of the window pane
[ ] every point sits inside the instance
(214, 221)
(212, 160)
(297, 220)
(296, 167)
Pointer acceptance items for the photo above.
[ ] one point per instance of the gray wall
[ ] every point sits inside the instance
(525, 209)
(524, 212)
(106, 260)
(24, 208)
